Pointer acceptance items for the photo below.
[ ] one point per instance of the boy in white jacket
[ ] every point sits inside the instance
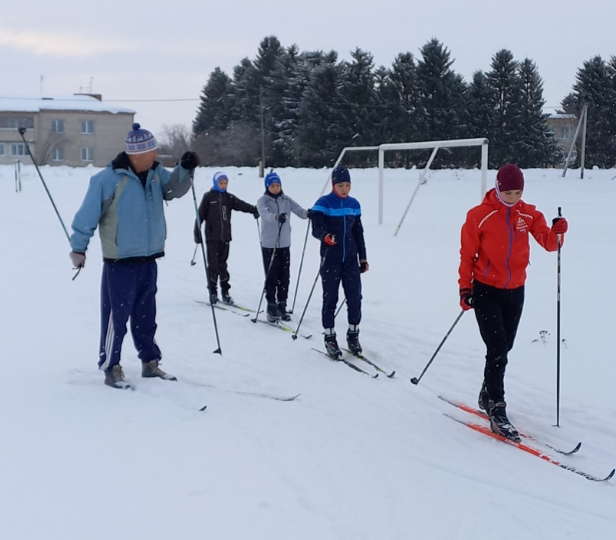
(275, 211)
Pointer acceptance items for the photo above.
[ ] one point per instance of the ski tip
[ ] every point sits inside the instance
(375, 376)
(391, 374)
(610, 476)
(203, 408)
(306, 337)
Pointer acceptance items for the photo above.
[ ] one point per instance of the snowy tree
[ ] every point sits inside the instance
(215, 107)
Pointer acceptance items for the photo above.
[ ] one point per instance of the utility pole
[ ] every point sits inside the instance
(583, 159)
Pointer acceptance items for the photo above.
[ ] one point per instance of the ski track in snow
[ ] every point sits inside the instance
(351, 457)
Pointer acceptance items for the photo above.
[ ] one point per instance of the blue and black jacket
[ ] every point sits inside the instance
(342, 218)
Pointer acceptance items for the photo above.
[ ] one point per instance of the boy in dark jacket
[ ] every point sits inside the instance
(336, 222)
(215, 209)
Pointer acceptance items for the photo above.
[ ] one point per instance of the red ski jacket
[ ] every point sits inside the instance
(495, 247)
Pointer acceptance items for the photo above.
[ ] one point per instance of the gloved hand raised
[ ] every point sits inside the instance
(466, 299)
(190, 160)
(282, 218)
(330, 239)
(78, 259)
(560, 225)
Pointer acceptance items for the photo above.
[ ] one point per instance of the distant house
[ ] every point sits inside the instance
(77, 130)
(563, 126)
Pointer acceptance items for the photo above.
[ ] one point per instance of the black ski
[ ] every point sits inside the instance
(345, 361)
(483, 415)
(362, 357)
(281, 327)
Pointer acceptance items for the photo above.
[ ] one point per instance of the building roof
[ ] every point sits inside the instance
(562, 115)
(58, 103)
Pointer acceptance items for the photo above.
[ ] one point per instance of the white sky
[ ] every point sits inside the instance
(164, 51)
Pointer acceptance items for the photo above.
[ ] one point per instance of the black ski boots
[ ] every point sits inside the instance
(500, 423)
(483, 400)
(353, 339)
(273, 316)
(331, 344)
(282, 310)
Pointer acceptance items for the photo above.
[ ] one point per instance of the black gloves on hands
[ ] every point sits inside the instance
(282, 218)
(198, 237)
(190, 160)
(255, 213)
(309, 213)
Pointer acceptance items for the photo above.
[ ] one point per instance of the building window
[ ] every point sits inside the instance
(87, 154)
(57, 153)
(14, 122)
(87, 127)
(18, 149)
(566, 132)
(1, 149)
(57, 126)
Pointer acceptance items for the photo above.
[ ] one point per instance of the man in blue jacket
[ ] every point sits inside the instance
(336, 222)
(125, 201)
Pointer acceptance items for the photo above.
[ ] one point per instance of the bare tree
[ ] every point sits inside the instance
(175, 140)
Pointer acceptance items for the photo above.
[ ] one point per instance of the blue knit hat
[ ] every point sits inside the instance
(340, 174)
(219, 176)
(272, 178)
(140, 141)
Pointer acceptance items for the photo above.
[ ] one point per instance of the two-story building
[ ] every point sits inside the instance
(77, 130)
(563, 126)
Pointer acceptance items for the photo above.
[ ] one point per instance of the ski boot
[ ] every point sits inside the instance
(353, 339)
(483, 400)
(214, 299)
(499, 423)
(150, 370)
(226, 299)
(272, 313)
(331, 344)
(282, 310)
(114, 377)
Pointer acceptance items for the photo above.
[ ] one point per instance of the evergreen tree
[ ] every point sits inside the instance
(481, 107)
(215, 108)
(441, 97)
(319, 118)
(596, 87)
(504, 81)
(536, 146)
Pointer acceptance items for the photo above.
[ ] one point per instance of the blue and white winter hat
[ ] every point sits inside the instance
(272, 178)
(140, 141)
(219, 176)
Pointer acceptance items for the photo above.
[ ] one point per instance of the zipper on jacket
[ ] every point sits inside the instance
(509, 247)
(344, 234)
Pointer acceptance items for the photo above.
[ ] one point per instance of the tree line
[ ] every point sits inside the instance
(301, 108)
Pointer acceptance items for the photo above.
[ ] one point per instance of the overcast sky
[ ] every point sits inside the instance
(165, 50)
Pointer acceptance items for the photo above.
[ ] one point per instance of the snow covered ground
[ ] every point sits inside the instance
(351, 458)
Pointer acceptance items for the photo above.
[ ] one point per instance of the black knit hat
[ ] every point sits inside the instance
(340, 174)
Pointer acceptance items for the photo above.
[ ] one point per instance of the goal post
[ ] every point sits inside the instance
(423, 145)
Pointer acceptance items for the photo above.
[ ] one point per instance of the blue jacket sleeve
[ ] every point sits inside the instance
(175, 183)
(87, 217)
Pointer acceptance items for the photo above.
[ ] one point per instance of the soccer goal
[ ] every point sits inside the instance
(424, 145)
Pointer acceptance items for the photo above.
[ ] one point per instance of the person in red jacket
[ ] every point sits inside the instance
(493, 259)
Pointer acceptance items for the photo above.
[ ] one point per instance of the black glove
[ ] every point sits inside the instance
(282, 218)
(466, 299)
(198, 237)
(190, 160)
(363, 266)
(255, 213)
(309, 213)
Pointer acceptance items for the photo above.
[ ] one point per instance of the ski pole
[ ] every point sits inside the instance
(416, 380)
(301, 263)
(558, 327)
(294, 336)
(269, 268)
(22, 130)
(207, 272)
(192, 261)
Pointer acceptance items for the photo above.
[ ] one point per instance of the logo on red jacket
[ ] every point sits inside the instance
(521, 225)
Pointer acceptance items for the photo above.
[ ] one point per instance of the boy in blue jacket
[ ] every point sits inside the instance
(336, 222)
(125, 202)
